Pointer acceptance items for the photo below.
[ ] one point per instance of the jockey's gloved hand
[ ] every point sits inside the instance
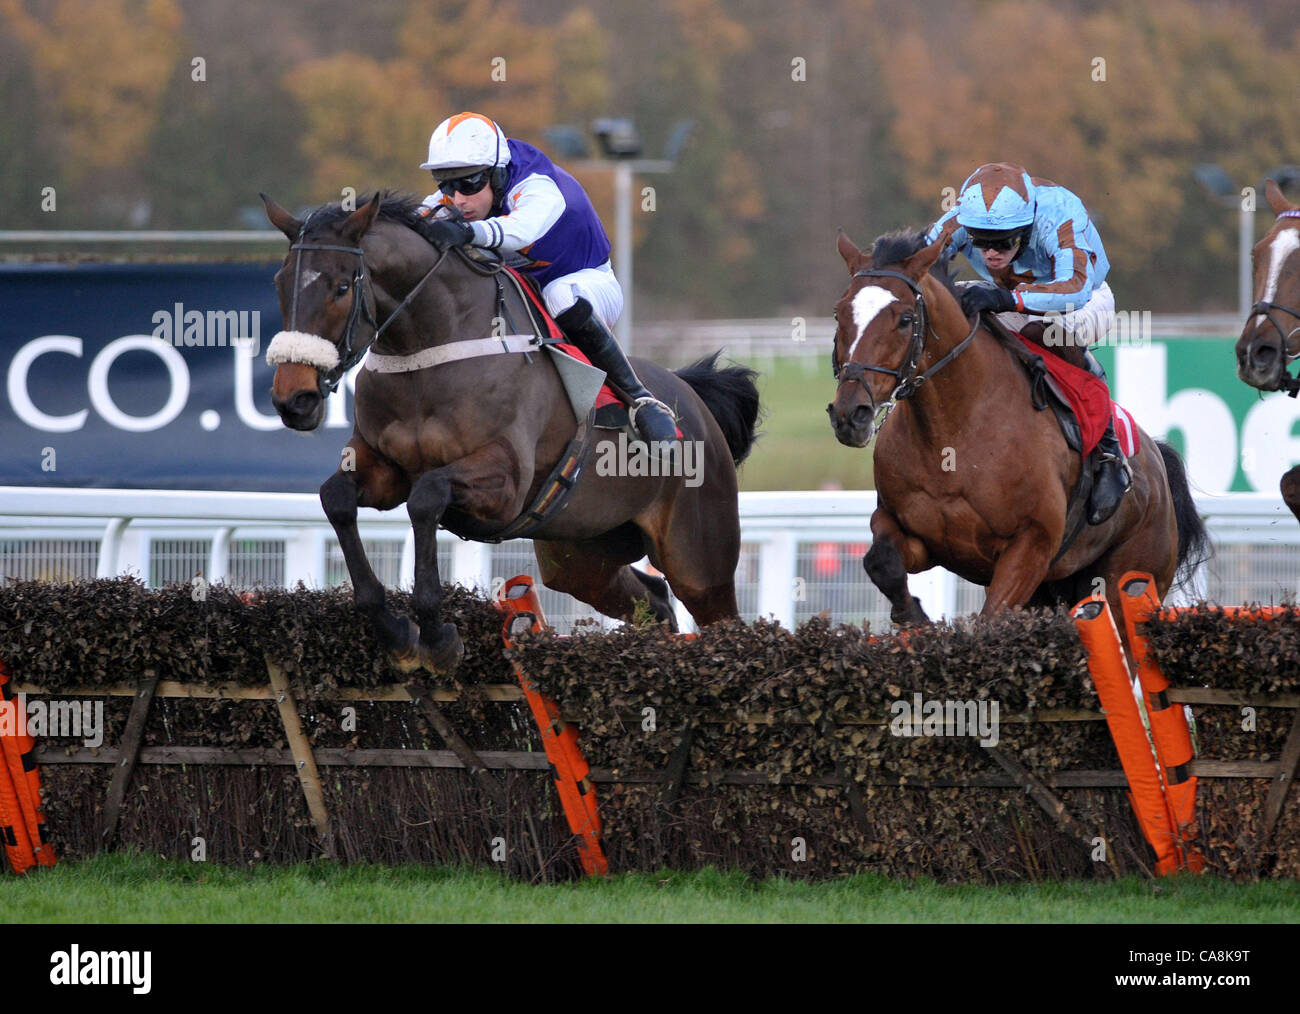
(986, 296)
(446, 232)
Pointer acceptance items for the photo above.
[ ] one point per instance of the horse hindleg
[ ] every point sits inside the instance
(707, 603)
(340, 496)
(596, 572)
(658, 595)
(697, 546)
(714, 603)
(699, 560)
(888, 567)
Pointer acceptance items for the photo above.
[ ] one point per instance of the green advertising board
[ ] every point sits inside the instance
(1185, 390)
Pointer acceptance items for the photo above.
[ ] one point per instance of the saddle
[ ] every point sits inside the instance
(1044, 390)
(596, 405)
(611, 404)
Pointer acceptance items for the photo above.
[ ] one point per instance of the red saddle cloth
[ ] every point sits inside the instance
(606, 395)
(1090, 400)
(1126, 429)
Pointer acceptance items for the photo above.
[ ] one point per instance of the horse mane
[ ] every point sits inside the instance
(393, 207)
(895, 247)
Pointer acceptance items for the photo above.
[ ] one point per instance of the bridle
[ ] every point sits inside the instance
(1288, 383)
(362, 297)
(908, 382)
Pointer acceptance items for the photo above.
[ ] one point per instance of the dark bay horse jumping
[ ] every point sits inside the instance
(968, 475)
(468, 444)
(1271, 335)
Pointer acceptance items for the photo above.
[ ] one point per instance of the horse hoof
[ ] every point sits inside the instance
(408, 658)
(911, 617)
(444, 655)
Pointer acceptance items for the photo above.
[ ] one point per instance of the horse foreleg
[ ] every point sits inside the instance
(340, 496)
(1019, 571)
(892, 556)
(440, 645)
(485, 486)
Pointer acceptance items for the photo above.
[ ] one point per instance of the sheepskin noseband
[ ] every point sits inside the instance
(300, 347)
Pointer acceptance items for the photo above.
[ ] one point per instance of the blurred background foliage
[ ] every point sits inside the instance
(808, 117)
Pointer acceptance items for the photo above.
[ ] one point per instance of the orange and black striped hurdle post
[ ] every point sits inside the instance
(1096, 626)
(22, 817)
(518, 599)
(1169, 729)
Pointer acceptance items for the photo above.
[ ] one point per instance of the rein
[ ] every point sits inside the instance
(349, 356)
(472, 348)
(908, 381)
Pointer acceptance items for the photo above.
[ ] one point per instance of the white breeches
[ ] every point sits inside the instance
(598, 286)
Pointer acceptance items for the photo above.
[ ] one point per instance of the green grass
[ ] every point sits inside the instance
(798, 449)
(134, 888)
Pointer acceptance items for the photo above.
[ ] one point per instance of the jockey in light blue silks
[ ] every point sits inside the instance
(1039, 252)
(514, 200)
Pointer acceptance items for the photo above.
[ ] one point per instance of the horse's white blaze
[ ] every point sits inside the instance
(1284, 244)
(866, 305)
(307, 278)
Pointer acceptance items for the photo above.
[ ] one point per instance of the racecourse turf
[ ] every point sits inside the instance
(134, 888)
(797, 449)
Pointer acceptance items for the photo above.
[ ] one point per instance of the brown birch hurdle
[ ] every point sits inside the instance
(1006, 770)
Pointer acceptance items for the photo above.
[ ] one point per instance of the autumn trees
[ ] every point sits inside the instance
(810, 116)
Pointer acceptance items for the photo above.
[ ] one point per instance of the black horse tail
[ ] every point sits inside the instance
(1193, 541)
(731, 396)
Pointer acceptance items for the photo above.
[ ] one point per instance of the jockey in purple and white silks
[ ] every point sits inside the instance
(516, 201)
(1039, 252)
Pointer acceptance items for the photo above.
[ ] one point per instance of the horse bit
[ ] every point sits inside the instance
(349, 357)
(1261, 309)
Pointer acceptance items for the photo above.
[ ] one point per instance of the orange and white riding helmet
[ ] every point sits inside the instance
(465, 143)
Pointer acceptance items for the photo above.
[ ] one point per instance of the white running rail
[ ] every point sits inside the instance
(800, 548)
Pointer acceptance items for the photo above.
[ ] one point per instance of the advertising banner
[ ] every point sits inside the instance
(150, 376)
(153, 376)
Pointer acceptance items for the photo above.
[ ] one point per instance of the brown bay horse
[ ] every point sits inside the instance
(469, 443)
(969, 475)
(1271, 335)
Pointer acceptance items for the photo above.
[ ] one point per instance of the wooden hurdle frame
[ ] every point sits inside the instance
(20, 817)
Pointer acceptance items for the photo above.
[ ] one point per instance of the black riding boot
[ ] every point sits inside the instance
(1113, 476)
(650, 417)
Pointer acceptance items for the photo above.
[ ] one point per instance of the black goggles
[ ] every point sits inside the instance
(465, 184)
(994, 242)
